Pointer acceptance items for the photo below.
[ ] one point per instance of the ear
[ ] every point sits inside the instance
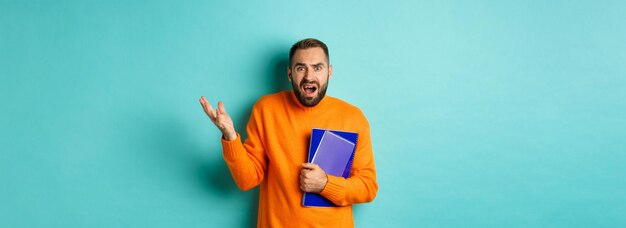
(289, 73)
(330, 72)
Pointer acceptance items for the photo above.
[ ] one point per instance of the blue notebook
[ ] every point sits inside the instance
(333, 151)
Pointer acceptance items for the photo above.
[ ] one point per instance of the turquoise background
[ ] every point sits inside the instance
(483, 113)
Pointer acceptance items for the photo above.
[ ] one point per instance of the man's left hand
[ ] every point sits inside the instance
(312, 178)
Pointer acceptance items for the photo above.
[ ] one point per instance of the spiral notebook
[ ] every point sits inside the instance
(333, 151)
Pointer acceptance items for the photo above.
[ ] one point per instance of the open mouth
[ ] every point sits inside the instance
(309, 89)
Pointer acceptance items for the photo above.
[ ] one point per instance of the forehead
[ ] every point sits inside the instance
(309, 56)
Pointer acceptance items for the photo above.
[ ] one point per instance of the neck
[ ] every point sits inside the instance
(319, 106)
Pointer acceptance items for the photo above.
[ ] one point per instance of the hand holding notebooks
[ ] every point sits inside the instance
(333, 151)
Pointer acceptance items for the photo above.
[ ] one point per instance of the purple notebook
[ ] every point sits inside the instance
(333, 151)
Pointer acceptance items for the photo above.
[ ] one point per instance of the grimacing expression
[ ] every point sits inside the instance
(309, 74)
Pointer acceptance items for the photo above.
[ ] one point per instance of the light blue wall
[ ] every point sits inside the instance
(483, 113)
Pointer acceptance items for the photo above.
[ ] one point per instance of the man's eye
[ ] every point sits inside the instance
(318, 68)
(300, 68)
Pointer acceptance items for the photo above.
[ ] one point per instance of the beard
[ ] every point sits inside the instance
(309, 101)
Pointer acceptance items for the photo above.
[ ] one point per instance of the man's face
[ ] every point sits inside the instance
(309, 74)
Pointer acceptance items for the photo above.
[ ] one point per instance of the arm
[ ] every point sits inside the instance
(361, 186)
(246, 162)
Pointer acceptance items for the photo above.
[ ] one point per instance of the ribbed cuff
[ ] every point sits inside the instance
(335, 189)
(229, 148)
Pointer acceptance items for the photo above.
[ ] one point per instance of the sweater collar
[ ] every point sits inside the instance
(320, 106)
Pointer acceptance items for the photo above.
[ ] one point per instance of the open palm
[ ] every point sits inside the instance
(220, 118)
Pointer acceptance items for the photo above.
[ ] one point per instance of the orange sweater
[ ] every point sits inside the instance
(278, 141)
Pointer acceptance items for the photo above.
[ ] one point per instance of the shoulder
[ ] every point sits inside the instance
(271, 100)
(350, 110)
(343, 105)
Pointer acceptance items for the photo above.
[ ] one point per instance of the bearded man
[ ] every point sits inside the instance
(275, 153)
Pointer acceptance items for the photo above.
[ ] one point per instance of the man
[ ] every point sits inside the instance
(279, 130)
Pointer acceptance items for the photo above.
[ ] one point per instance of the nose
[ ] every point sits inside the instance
(307, 73)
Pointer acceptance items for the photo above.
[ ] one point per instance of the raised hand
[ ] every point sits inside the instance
(220, 118)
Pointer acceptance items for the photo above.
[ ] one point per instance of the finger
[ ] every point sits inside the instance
(310, 166)
(208, 109)
(203, 102)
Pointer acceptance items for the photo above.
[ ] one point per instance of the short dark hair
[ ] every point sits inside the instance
(308, 43)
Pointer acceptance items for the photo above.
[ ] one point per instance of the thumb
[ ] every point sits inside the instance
(221, 108)
(310, 166)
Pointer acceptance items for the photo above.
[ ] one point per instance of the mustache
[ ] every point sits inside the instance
(303, 82)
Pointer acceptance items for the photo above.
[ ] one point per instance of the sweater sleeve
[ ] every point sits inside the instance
(247, 161)
(361, 186)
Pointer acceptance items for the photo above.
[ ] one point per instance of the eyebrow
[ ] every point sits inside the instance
(303, 64)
